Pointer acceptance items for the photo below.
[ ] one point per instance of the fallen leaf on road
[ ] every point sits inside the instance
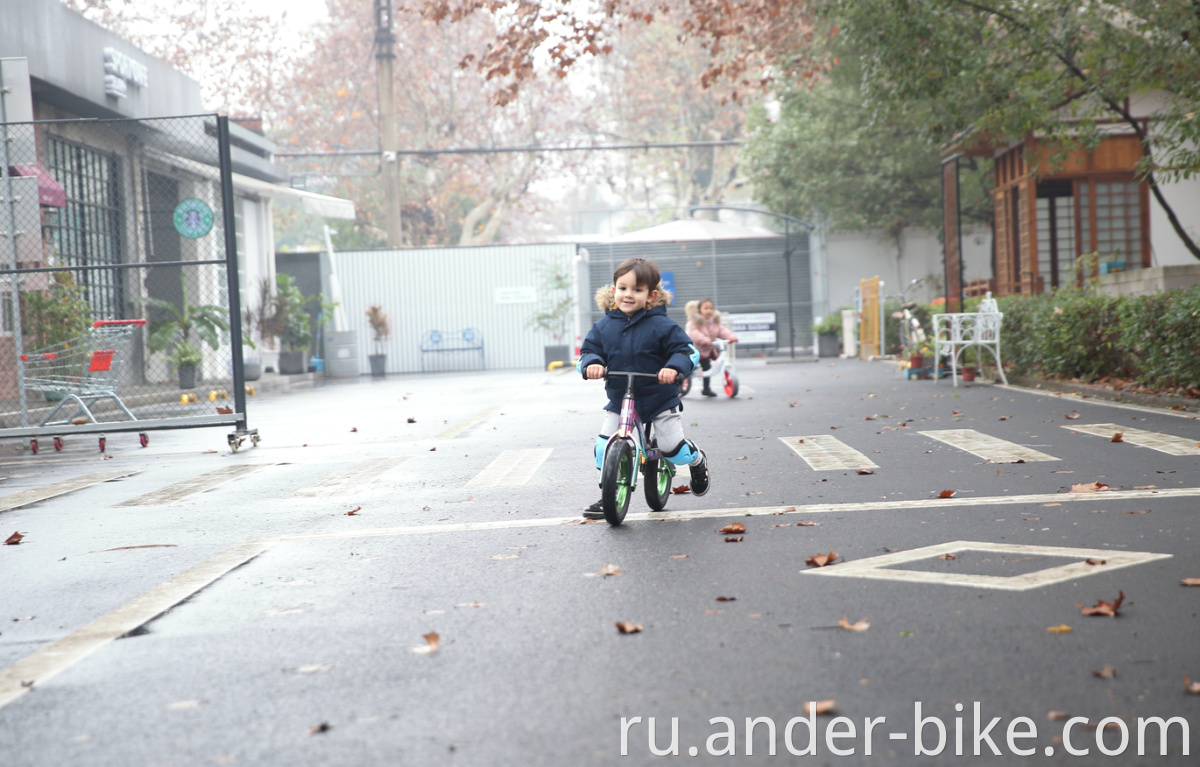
(505, 556)
(625, 627)
(1190, 582)
(861, 625)
(472, 604)
(1094, 561)
(353, 511)
(957, 413)
(353, 428)
(1118, 437)
(1064, 471)
(1144, 487)
(412, 420)
(714, 612)
(1002, 418)
(430, 646)
(1139, 511)
(78, 421)
(317, 729)
(864, 471)
(287, 611)
(13, 539)
(785, 524)
(734, 538)
(870, 417)
(819, 706)
(1058, 716)
(1061, 628)
(1032, 519)
(607, 570)
(1105, 672)
(224, 410)
(680, 556)
(1089, 487)
(1190, 686)
(183, 705)
(946, 494)
(1047, 505)
(733, 527)
(757, 493)
(313, 668)
(726, 599)
(1102, 607)
(821, 560)
(806, 523)
(681, 489)
(948, 556)
(146, 546)
(1073, 415)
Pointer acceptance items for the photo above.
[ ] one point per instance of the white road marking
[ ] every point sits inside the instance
(878, 567)
(1071, 397)
(33, 495)
(825, 453)
(188, 487)
(1163, 443)
(15, 680)
(511, 468)
(468, 422)
(987, 447)
(352, 479)
(47, 662)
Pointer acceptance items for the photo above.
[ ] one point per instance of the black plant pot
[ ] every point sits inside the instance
(378, 365)
(827, 346)
(187, 376)
(252, 368)
(557, 353)
(293, 363)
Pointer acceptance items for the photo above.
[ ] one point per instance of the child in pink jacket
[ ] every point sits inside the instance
(703, 327)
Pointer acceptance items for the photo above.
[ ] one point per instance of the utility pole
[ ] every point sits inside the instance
(385, 54)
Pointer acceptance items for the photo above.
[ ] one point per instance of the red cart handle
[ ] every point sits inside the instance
(102, 323)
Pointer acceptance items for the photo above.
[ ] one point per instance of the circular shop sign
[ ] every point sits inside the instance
(193, 218)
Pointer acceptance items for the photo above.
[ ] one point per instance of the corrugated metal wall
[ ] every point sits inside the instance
(745, 275)
(449, 289)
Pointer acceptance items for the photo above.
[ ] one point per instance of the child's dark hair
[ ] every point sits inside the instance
(644, 270)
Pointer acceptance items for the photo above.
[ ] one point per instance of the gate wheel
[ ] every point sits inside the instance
(58, 444)
(144, 438)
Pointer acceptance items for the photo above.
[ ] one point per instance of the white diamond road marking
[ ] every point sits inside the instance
(189, 487)
(825, 453)
(511, 468)
(987, 447)
(33, 495)
(1163, 443)
(354, 479)
(877, 567)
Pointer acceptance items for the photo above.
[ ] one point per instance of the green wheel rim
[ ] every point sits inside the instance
(624, 473)
(664, 477)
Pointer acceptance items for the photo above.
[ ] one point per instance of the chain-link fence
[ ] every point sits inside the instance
(741, 276)
(118, 279)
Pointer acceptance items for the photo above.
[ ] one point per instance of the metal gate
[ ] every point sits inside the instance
(119, 306)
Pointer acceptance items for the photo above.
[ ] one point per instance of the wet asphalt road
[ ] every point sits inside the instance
(298, 648)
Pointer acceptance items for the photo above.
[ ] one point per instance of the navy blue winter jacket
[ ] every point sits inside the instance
(646, 342)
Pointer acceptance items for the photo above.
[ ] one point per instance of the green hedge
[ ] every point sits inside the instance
(1154, 340)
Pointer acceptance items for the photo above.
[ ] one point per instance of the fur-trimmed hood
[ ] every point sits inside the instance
(692, 310)
(606, 302)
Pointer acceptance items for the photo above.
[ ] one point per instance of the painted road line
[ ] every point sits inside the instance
(474, 420)
(1163, 443)
(825, 453)
(879, 567)
(987, 447)
(512, 468)
(352, 479)
(1074, 397)
(189, 487)
(26, 497)
(36, 668)
(45, 663)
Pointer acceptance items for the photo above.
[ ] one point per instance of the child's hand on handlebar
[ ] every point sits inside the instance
(595, 372)
(667, 375)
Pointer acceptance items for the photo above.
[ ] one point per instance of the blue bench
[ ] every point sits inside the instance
(469, 340)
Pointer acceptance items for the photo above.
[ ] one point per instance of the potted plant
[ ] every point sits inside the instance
(557, 308)
(182, 327)
(256, 333)
(828, 332)
(290, 323)
(380, 332)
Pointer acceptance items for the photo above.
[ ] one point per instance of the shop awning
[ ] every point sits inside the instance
(50, 192)
(314, 204)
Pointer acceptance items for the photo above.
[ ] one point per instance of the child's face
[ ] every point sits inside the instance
(707, 310)
(630, 296)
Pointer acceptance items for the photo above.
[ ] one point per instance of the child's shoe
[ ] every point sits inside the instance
(707, 390)
(595, 511)
(700, 475)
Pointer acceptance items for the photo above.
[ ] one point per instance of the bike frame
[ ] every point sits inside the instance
(631, 428)
(719, 365)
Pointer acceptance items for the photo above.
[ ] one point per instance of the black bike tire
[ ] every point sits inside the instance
(652, 475)
(618, 460)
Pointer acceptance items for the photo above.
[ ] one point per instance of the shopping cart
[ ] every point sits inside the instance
(82, 371)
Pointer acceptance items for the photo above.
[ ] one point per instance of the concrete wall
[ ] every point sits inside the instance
(1166, 248)
(1143, 282)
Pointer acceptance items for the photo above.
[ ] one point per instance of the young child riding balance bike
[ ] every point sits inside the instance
(703, 327)
(635, 334)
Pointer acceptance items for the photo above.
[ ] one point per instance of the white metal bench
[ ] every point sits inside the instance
(955, 333)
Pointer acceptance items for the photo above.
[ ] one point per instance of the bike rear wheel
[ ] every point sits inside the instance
(657, 476)
(618, 482)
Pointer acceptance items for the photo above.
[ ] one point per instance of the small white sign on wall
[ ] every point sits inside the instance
(516, 295)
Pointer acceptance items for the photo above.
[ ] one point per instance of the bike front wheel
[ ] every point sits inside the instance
(731, 382)
(618, 482)
(685, 386)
